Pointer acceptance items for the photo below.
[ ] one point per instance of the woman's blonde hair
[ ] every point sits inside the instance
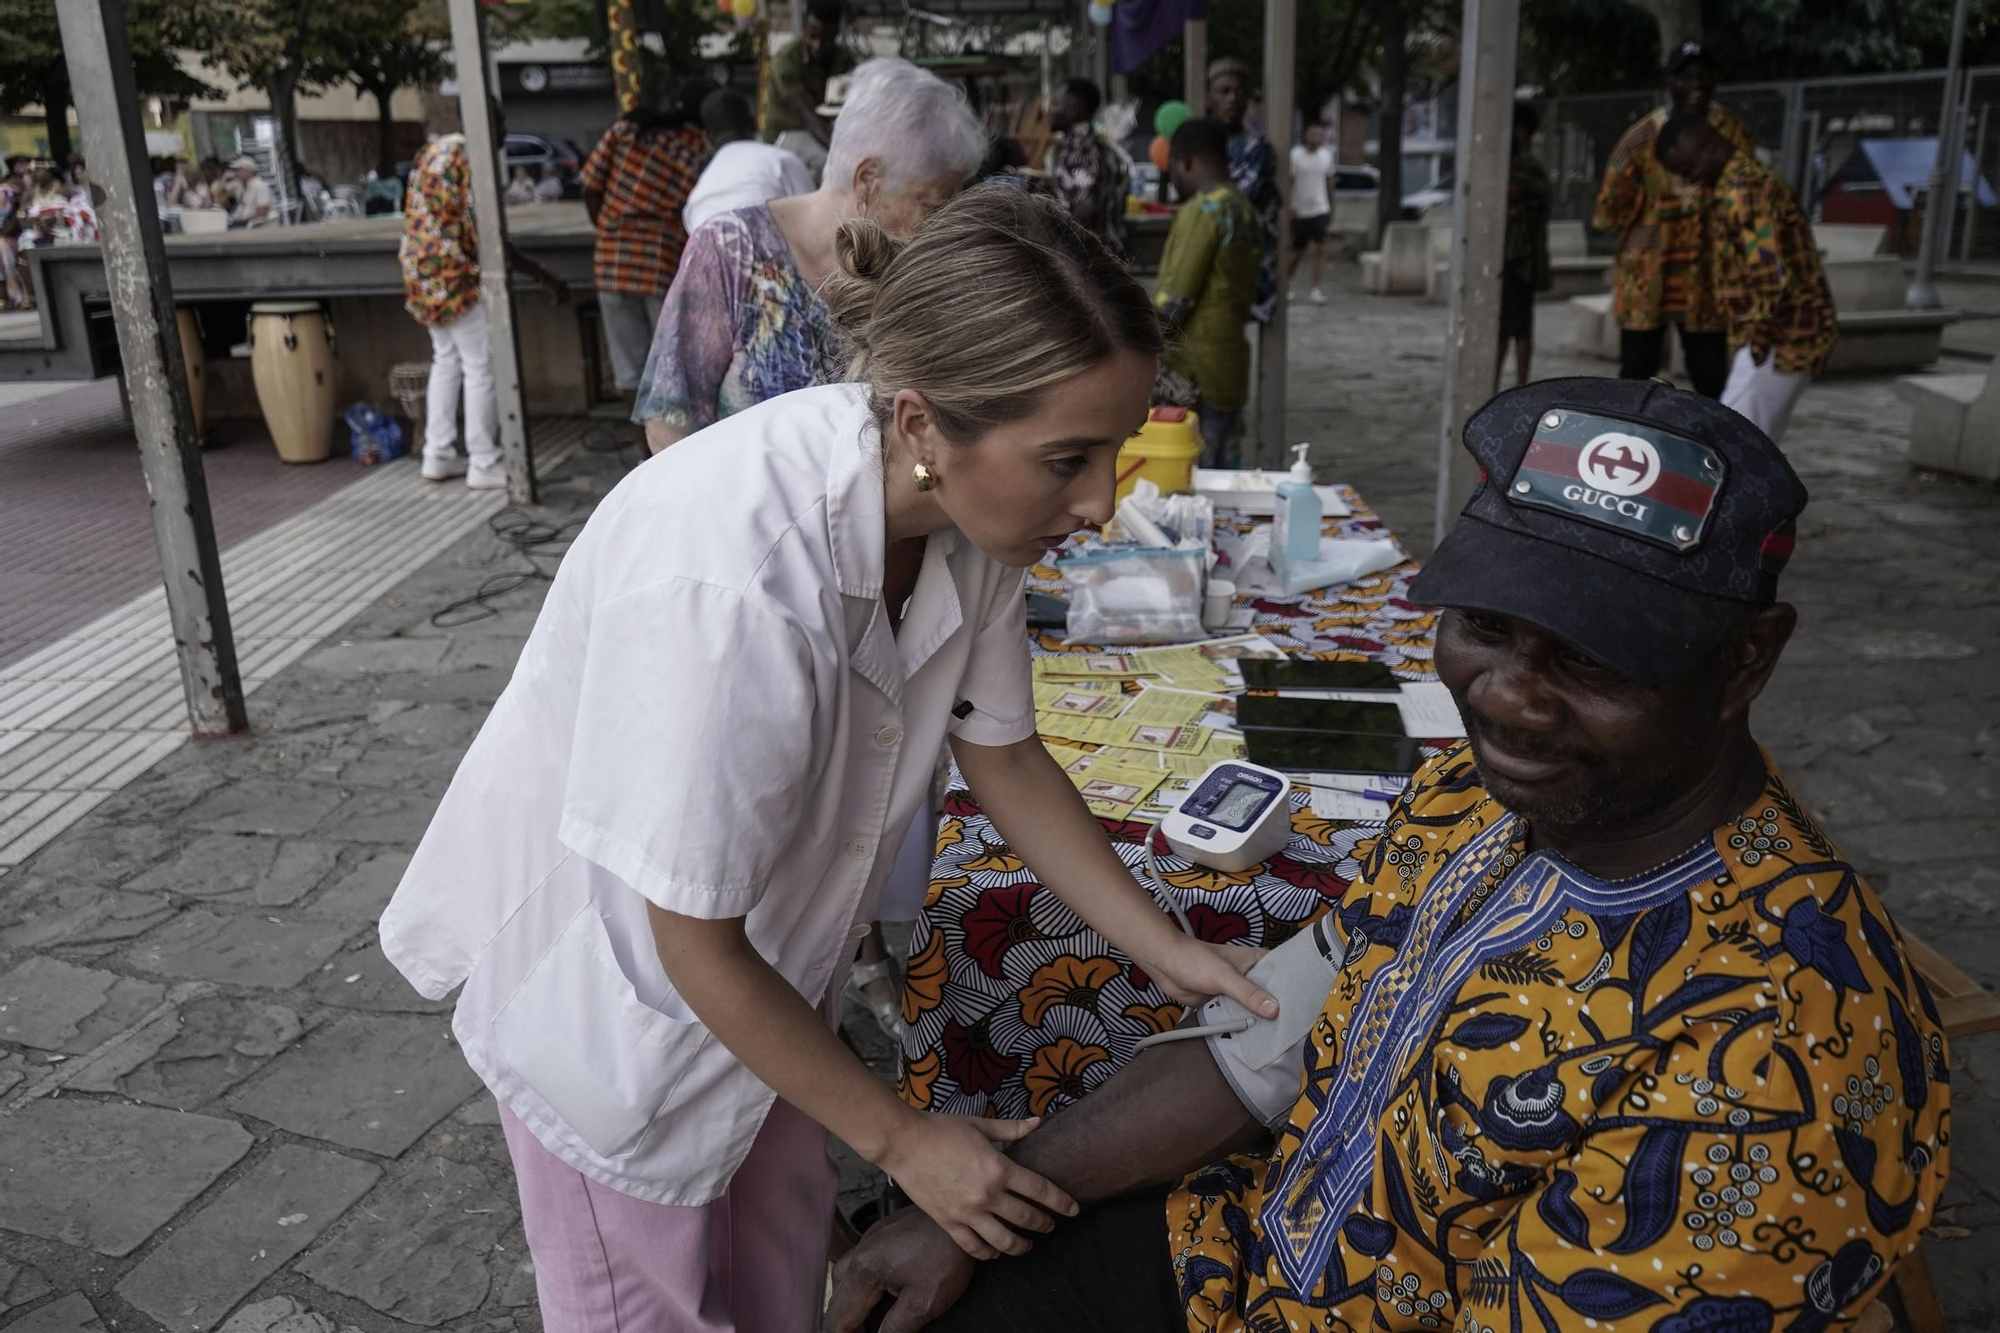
(1000, 297)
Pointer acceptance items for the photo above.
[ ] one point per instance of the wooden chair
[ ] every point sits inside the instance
(1965, 1008)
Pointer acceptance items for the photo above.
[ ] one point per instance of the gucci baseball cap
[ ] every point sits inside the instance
(1636, 521)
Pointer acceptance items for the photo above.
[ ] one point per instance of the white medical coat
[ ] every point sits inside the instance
(712, 715)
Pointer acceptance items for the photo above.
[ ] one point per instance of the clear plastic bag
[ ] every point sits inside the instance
(1135, 594)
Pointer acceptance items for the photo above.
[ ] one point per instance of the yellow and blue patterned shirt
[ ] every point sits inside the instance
(1766, 271)
(1709, 1099)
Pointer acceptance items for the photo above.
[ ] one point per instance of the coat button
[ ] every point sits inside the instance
(889, 735)
(860, 848)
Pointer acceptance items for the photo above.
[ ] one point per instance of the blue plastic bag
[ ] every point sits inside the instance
(373, 438)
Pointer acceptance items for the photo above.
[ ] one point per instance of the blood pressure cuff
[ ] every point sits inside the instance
(1265, 1062)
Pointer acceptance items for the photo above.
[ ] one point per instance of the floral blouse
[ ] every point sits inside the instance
(1709, 1099)
(739, 326)
(440, 249)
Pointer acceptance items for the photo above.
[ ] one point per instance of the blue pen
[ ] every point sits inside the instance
(1390, 796)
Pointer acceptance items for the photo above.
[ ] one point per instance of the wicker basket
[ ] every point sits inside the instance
(409, 381)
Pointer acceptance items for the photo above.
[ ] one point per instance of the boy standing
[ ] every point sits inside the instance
(1208, 280)
(1312, 205)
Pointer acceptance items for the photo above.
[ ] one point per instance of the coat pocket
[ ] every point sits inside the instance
(576, 1032)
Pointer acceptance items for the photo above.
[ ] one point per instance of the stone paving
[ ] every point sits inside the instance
(221, 1108)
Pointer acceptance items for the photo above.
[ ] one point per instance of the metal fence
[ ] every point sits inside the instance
(1806, 129)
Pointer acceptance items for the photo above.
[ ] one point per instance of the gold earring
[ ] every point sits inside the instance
(925, 479)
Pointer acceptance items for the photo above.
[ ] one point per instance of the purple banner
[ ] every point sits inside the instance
(1141, 27)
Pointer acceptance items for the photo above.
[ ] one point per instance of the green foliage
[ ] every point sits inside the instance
(1587, 46)
(31, 55)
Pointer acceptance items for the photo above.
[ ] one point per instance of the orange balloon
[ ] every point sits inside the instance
(1158, 152)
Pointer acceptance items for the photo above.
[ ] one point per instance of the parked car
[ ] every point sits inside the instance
(535, 151)
(1437, 192)
(1356, 182)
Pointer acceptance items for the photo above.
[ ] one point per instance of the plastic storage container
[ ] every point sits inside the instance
(1164, 452)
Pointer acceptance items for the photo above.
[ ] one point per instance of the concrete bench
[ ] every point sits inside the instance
(1851, 240)
(1402, 264)
(1573, 270)
(1874, 342)
(1875, 283)
(1957, 424)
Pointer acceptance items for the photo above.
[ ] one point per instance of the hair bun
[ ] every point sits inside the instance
(862, 253)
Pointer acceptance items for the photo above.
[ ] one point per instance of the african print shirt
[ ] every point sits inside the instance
(1253, 165)
(1659, 271)
(645, 177)
(1712, 1097)
(1208, 279)
(1093, 176)
(739, 325)
(440, 250)
(1527, 243)
(1766, 270)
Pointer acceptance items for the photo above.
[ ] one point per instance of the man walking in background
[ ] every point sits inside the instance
(795, 86)
(440, 260)
(1311, 208)
(1765, 270)
(1525, 270)
(1661, 277)
(1092, 174)
(1208, 280)
(742, 171)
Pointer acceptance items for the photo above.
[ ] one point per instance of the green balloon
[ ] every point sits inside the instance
(1170, 117)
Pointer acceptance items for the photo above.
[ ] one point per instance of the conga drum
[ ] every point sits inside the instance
(291, 360)
(197, 367)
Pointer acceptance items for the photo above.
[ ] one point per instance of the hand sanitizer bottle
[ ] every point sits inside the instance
(1296, 520)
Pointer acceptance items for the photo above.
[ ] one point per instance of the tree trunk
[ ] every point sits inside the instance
(1678, 20)
(55, 117)
(1389, 155)
(385, 129)
(282, 88)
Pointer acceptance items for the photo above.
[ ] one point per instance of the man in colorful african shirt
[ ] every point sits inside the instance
(1208, 280)
(1614, 1038)
(1764, 269)
(439, 256)
(1092, 174)
(1660, 278)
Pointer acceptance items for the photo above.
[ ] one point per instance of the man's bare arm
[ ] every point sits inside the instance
(1166, 1114)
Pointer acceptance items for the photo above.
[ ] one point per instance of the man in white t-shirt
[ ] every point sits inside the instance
(1312, 204)
(743, 171)
(256, 205)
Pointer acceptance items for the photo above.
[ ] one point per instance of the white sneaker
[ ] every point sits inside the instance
(443, 469)
(492, 478)
(1318, 297)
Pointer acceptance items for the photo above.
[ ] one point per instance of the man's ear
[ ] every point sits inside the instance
(1754, 649)
(867, 182)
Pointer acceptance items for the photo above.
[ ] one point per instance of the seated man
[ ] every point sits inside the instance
(1613, 1036)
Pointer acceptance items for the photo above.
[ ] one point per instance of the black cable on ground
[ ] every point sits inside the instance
(536, 540)
(541, 544)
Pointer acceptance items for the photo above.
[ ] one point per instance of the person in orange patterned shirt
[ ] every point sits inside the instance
(1764, 268)
(439, 255)
(634, 186)
(1660, 277)
(1614, 1037)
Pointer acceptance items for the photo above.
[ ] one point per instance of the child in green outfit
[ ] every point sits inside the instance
(1208, 280)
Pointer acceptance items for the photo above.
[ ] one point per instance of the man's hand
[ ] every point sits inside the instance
(908, 1257)
(557, 289)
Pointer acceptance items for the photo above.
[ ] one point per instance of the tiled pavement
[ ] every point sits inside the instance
(95, 699)
(219, 1107)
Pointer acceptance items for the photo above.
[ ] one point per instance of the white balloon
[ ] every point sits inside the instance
(1101, 15)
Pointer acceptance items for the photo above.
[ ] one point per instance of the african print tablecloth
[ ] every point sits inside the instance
(1013, 1006)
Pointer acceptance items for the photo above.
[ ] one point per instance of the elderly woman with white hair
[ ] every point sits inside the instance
(743, 321)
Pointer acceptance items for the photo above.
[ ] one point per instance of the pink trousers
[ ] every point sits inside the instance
(754, 1260)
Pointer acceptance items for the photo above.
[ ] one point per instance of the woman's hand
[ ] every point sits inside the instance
(1197, 970)
(949, 1167)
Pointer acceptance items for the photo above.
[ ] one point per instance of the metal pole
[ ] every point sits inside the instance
(1280, 42)
(1941, 199)
(142, 306)
(1194, 65)
(1972, 195)
(1478, 242)
(468, 42)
